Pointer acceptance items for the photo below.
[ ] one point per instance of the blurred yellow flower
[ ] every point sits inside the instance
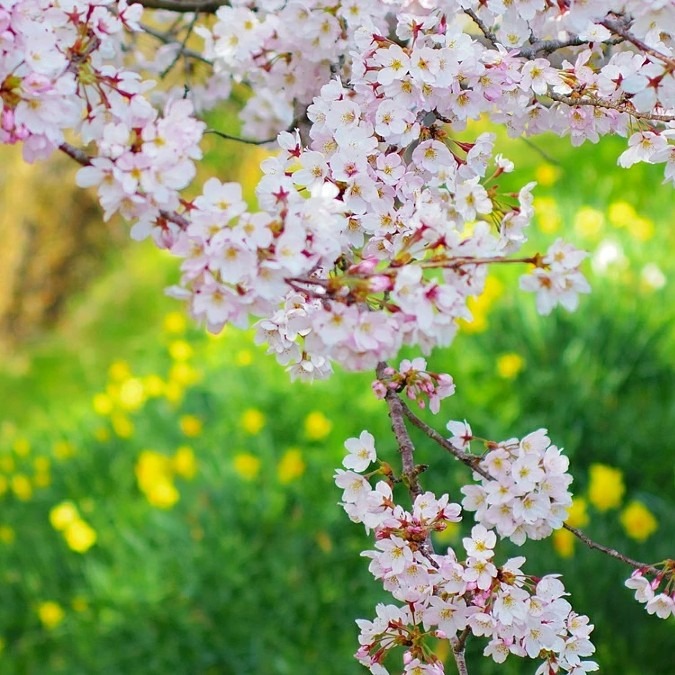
(641, 228)
(22, 447)
(63, 514)
(184, 462)
(547, 174)
(324, 542)
(449, 534)
(190, 425)
(317, 426)
(479, 306)
(606, 487)
(547, 214)
(103, 404)
(131, 394)
(175, 323)
(638, 521)
(510, 365)
(50, 613)
(4, 485)
(577, 515)
(7, 464)
(252, 421)
(588, 222)
(63, 450)
(563, 543)
(244, 357)
(621, 213)
(7, 534)
(180, 350)
(247, 465)
(122, 425)
(21, 487)
(174, 392)
(154, 385)
(162, 494)
(79, 536)
(183, 373)
(41, 463)
(290, 466)
(119, 371)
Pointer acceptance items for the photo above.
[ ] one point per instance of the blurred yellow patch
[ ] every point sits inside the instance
(4, 485)
(442, 650)
(252, 421)
(479, 306)
(63, 514)
(21, 487)
(317, 426)
(290, 466)
(174, 392)
(244, 357)
(509, 365)
(324, 542)
(153, 385)
(119, 371)
(588, 222)
(103, 404)
(547, 174)
(63, 450)
(180, 350)
(7, 534)
(449, 534)
(190, 425)
(577, 516)
(563, 543)
(548, 215)
(184, 462)
(606, 487)
(21, 447)
(7, 464)
(101, 434)
(641, 228)
(132, 394)
(247, 465)
(42, 479)
(621, 214)
(638, 521)
(122, 426)
(184, 374)
(79, 536)
(50, 613)
(79, 604)
(175, 323)
(155, 479)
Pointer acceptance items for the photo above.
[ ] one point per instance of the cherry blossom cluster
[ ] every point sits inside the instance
(523, 491)
(419, 385)
(658, 600)
(286, 50)
(446, 597)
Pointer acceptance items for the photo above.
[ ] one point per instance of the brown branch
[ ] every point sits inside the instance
(609, 551)
(618, 29)
(168, 39)
(473, 462)
(238, 139)
(204, 6)
(405, 445)
(489, 35)
(457, 645)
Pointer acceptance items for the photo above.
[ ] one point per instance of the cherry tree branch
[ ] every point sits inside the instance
(618, 29)
(248, 141)
(168, 39)
(473, 462)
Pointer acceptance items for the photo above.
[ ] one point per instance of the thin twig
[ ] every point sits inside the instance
(204, 6)
(229, 137)
(168, 39)
(483, 28)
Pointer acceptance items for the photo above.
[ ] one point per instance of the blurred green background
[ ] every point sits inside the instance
(167, 496)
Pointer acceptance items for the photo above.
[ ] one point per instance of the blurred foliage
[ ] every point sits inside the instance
(167, 496)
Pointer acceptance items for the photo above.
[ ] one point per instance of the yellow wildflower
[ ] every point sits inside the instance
(547, 214)
(122, 425)
(606, 488)
(79, 536)
(50, 613)
(7, 534)
(638, 521)
(62, 515)
(190, 425)
(641, 228)
(184, 462)
(103, 404)
(621, 213)
(175, 323)
(589, 222)
(7, 464)
(244, 357)
(153, 385)
(291, 466)
(180, 350)
(247, 465)
(547, 174)
(563, 543)
(22, 447)
(184, 374)
(509, 365)
(162, 494)
(131, 394)
(174, 392)
(119, 371)
(252, 421)
(578, 513)
(317, 426)
(21, 487)
(480, 305)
